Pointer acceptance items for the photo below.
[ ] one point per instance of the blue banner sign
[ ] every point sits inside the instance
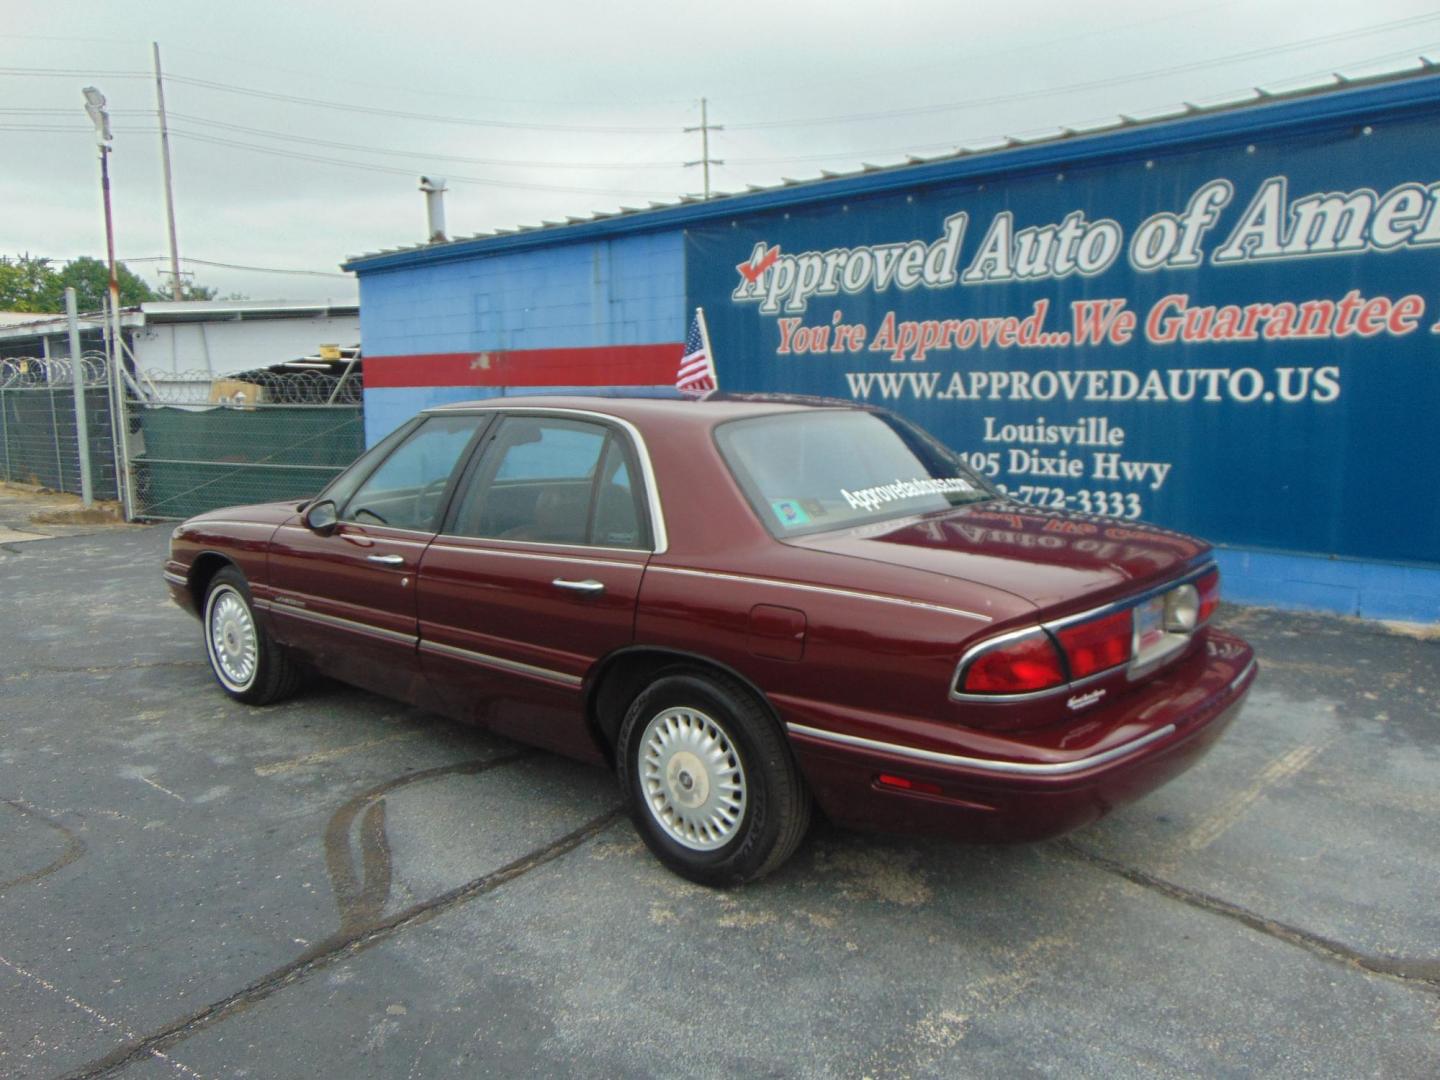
(1238, 341)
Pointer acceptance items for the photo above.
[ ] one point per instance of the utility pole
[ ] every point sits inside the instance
(175, 290)
(705, 128)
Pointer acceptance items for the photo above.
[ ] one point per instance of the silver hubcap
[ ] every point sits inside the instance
(692, 779)
(234, 647)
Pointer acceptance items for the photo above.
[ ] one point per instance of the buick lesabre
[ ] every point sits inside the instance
(746, 607)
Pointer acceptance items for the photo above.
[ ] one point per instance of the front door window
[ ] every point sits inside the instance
(407, 490)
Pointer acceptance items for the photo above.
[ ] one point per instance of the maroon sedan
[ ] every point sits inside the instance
(745, 606)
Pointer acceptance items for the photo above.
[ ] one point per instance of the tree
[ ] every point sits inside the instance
(191, 291)
(27, 283)
(90, 278)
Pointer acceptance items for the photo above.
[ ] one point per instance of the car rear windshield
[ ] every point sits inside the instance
(809, 472)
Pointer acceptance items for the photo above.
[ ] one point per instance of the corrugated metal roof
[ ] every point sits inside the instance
(206, 310)
(659, 215)
(24, 324)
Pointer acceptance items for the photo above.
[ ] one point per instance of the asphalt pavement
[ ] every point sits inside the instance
(343, 886)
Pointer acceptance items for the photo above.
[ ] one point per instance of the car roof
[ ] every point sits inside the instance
(708, 411)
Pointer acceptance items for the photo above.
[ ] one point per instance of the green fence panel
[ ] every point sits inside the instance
(187, 461)
(38, 442)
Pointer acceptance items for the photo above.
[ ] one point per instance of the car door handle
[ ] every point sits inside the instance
(388, 560)
(589, 586)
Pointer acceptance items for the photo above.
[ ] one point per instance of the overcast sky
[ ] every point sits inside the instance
(565, 108)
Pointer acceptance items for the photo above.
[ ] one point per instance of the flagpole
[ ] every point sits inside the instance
(705, 341)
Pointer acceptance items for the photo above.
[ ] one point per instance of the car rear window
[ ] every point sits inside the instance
(809, 472)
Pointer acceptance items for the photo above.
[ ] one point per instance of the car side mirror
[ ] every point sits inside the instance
(322, 517)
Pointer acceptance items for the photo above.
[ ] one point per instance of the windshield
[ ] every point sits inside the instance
(808, 472)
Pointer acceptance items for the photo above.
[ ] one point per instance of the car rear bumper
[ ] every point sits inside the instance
(1015, 790)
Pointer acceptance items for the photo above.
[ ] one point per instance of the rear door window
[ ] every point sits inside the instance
(550, 480)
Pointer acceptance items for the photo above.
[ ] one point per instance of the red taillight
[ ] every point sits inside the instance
(1209, 589)
(904, 783)
(1018, 666)
(1097, 644)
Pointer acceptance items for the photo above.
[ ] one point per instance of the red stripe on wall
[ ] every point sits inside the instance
(604, 365)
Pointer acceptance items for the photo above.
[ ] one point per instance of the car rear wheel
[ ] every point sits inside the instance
(246, 661)
(709, 780)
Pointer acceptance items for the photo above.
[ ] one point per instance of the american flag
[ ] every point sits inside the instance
(696, 376)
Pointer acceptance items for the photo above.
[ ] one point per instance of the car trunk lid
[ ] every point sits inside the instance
(1056, 560)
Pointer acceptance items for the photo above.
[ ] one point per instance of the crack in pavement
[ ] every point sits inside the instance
(74, 846)
(339, 947)
(1421, 974)
(90, 1011)
(361, 898)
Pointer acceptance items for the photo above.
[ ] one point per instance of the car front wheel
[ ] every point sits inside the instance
(247, 663)
(709, 780)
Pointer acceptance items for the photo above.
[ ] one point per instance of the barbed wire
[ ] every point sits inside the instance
(244, 389)
(49, 373)
(247, 389)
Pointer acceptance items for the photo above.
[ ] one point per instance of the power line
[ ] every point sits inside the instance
(423, 154)
(1029, 48)
(332, 80)
(1113, 80)
(1249, 94)
(69, 129)
(297, 155)
(18, 111)
(295, 99)
(909, 149)
(328, 76)
(74, 73)
(19, 127)
(753, 125)
(318, 103)
(396, 171)
(237, 266)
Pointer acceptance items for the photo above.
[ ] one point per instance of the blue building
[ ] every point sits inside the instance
(1223, 322)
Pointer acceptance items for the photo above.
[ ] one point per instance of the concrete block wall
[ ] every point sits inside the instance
(585, 306)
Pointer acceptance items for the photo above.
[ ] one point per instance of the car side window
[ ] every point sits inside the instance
(552, 481)
(405, 491)
(343, 486)
(617, 521)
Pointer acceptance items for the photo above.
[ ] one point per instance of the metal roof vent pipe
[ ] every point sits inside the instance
(434, 189)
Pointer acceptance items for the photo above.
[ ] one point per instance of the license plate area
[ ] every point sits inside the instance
(1153, 643)
(1149, 624)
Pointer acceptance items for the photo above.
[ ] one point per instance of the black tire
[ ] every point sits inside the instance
(244, 658)
(732, 835)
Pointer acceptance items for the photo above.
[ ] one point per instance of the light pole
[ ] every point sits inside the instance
(95, 106)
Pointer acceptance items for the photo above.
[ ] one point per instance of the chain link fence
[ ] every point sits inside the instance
(192, 442)
(38, 431)
(197, 443)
